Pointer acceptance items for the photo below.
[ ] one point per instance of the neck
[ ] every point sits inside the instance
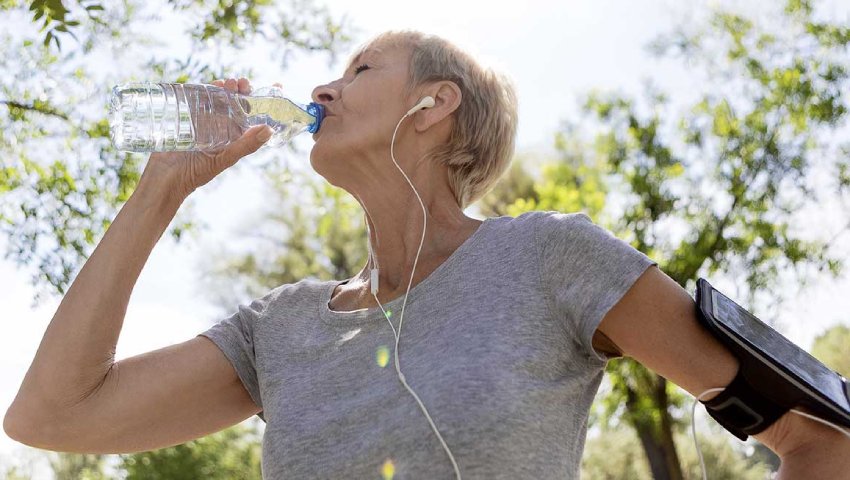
(395, 236)
(395, 218)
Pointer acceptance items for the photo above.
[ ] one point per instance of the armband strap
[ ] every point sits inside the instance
(742, 409)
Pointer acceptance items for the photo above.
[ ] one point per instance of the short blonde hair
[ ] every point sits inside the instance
(483, 136)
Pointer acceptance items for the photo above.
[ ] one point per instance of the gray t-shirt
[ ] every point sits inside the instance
(496, 342)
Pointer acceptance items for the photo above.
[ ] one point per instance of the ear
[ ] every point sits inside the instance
(447, 98)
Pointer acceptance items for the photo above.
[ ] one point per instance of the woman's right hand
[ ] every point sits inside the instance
(185, 172)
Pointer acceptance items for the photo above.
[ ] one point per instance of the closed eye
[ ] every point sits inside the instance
(360, 68)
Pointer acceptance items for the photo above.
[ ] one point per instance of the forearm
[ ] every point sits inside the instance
(78, 348)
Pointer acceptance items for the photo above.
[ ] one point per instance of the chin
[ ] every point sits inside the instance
(315, 162)
(322, 163)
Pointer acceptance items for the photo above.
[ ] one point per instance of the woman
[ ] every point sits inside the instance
(510, 321)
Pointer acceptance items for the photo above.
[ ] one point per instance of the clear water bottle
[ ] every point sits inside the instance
(164, 117)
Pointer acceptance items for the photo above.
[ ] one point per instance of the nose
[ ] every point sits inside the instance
(324, 94)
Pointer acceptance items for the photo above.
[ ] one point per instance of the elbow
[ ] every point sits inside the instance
(22, 428)
(14, 426)
(38, 429)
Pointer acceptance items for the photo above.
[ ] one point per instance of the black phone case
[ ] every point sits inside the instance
(784, 393)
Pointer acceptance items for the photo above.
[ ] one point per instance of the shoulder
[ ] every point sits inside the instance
(541, 214)
(552, 224)
(553, 219)
(282, 295)
(575, 236)
(556, 219)
(543, 226)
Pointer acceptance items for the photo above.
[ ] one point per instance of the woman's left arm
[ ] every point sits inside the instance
(656, 324)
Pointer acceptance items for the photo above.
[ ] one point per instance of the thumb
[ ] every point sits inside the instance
(249, 142)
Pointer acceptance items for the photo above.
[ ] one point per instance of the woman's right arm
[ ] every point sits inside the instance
(74, 396)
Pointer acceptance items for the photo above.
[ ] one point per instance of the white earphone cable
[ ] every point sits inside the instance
(694, 427)
(401, 318)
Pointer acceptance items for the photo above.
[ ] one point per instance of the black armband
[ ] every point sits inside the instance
(742, 409)
(774, 374)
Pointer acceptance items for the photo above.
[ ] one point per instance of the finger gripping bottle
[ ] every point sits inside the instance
(164, 117)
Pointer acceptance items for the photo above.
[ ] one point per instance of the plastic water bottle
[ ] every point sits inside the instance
(163, 117)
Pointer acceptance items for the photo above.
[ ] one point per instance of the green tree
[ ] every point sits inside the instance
(831, 346)
(732, 182)
(61, 181)
(613, 454)
(233, 453)
(72, 466)
(616, 454)
(21, 464)
(15, 473)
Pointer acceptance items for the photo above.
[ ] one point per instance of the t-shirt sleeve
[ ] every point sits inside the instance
(234, 336)
(585, 271)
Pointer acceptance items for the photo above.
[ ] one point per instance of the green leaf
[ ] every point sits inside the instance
(57, 7)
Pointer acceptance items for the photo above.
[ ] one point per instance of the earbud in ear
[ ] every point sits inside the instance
(426, 102)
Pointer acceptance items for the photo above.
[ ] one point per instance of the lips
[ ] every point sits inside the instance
(327, 114)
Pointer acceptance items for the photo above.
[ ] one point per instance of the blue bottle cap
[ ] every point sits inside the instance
(318, 112)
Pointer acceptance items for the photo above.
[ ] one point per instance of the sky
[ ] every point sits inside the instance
(553, 50)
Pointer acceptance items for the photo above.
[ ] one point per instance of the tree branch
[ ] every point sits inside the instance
(34, 108)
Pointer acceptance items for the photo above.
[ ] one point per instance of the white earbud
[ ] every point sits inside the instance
(426, 102)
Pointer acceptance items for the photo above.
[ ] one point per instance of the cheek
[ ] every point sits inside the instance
(361, 128)
(357, 133)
